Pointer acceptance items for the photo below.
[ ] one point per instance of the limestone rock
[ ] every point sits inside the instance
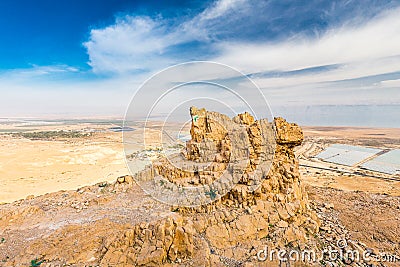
(288, 133)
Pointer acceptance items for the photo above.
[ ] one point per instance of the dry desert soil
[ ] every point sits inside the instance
(73, 181)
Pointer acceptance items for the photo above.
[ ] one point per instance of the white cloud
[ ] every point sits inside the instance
(206, 23)
(142, 43)
(376, 39)
(346, 71)
(358, 52)
(132, 43)
(36, 71)
(219, 9)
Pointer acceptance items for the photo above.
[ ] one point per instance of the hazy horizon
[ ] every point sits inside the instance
(304, 116)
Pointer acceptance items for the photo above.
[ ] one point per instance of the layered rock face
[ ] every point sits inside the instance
(250, 195)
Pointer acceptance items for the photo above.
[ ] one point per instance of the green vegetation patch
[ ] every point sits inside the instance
(51, 135)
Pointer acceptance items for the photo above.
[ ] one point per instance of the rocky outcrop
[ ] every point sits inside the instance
(152, 244)
(264, 197)
(288, 133)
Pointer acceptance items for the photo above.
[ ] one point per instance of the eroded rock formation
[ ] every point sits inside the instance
(266, 204)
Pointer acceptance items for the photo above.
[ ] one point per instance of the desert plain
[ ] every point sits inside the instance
(48, 161)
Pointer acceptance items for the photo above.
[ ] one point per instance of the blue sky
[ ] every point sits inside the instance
(86, 58)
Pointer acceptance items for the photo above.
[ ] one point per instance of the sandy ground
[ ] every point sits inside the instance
(29, 166)
(35, 167)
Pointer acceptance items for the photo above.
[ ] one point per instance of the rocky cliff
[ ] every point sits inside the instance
(260, 199)
(247, 195)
